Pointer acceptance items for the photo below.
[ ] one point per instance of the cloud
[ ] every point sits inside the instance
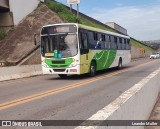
(142, 23)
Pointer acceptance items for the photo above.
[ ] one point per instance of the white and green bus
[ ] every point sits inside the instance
(71, 48)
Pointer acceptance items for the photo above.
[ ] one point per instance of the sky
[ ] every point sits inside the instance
(141, 18)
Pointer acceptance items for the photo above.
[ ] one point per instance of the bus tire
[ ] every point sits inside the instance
(92, 69)
(120, 64)
(62, 75)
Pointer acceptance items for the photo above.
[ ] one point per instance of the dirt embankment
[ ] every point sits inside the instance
(20, 42)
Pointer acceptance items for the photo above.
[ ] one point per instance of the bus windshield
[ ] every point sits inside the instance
(66, 44)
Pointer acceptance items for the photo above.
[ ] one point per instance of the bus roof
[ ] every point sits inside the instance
(90, 28)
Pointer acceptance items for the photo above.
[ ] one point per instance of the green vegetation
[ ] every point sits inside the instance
(89, 23)
(6, 63)
(138, 44)
(62, 11)
(2, 34)
(67, 16)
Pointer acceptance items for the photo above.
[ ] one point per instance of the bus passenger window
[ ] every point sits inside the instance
(95, 36)
(128, 44)
(120, 43)
(115, 39)
(124, 44)
(84, 41)
(120, 40)
(116, 43)
(103, 37)
(113, 44)
(107, 42)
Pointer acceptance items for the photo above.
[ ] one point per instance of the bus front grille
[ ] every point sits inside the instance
(58, 62)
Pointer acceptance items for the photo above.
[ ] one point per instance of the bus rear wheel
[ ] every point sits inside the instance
(62, 75)
(93, 69)
(120, 64)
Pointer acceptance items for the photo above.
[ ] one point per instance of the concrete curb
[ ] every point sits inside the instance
(134, 104)
(15, 72)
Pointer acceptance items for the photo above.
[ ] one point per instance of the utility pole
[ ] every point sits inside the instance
(70, 7)
(70, 2)
(77, 10)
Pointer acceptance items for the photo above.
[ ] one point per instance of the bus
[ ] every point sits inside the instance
(75, 49)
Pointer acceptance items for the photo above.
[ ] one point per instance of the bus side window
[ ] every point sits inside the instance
(103, 43)
(128, 44)
(84, 41)
(107, 42)
(109, 38)
(90, 39)
(113, 43)
(93, 38)
(116, 42)
(99, 41)
(120, 41)
(124, 44)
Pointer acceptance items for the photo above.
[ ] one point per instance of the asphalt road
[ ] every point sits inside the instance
(76, 98)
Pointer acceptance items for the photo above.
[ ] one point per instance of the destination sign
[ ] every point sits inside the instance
(59, 29)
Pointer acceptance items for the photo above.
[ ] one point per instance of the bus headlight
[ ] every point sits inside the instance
(75, 62)
(45, 65)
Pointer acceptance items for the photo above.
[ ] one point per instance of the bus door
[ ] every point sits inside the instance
(84, 52)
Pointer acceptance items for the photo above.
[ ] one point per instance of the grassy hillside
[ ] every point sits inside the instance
(67, 16)
(138, 44)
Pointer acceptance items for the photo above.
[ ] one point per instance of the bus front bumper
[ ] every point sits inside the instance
(72, 70)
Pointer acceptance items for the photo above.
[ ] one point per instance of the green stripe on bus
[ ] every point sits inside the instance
(105, 59)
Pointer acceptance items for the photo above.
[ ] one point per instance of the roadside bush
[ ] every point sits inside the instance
(2, 34)
(69, 17)
(6, 63)
(56, 7)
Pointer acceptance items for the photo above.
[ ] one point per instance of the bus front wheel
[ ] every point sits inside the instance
(93, 69)
(62, 75)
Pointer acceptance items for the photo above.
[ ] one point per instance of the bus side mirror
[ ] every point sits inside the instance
(35, 39)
